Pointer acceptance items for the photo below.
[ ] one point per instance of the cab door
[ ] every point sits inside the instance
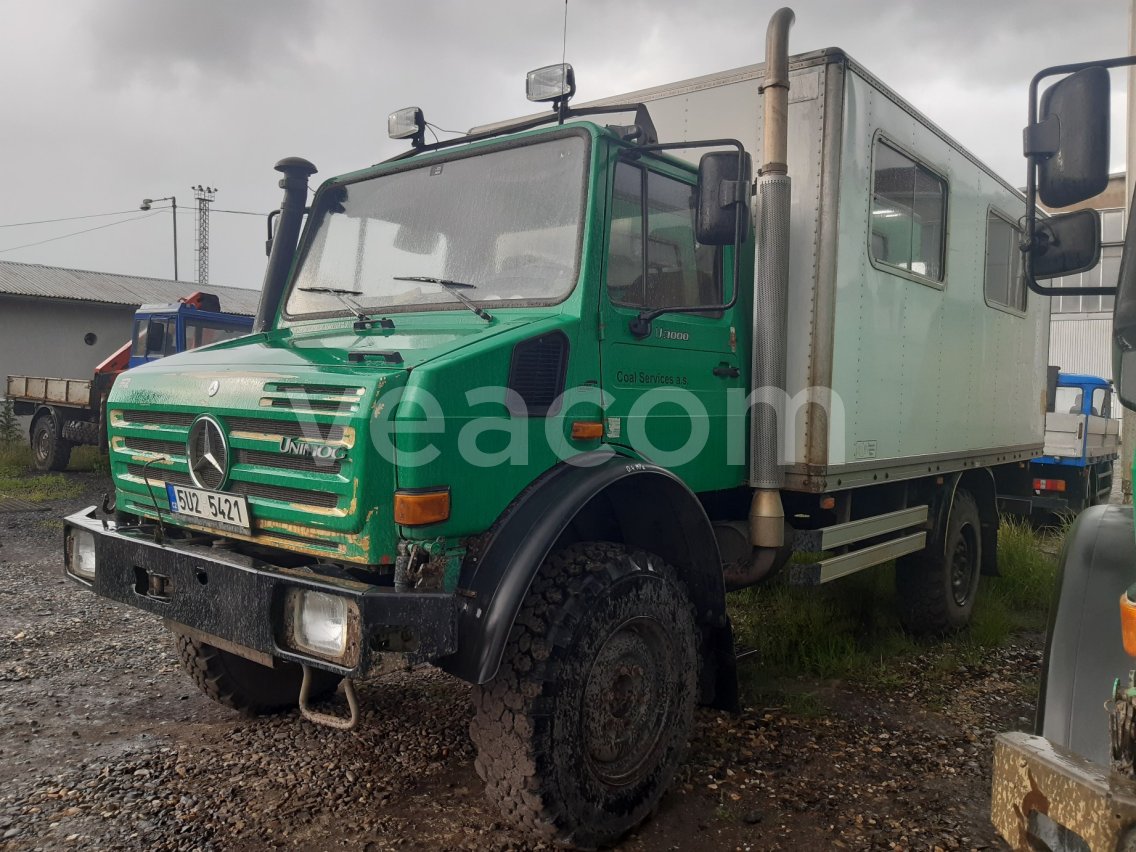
(676, 395)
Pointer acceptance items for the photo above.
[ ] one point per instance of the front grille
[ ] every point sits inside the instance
(321, 499)
(284, 428)
(263, 459)
(153, 445)
(160, 418)
(177, 477)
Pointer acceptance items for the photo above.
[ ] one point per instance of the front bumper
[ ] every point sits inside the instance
(242, 601)
(1047, 797)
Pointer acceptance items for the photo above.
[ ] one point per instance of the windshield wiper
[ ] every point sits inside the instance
(363, 320)
(454, 288)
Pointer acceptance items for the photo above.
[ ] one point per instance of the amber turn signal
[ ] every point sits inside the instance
(418, 508)
(1128, 624)
(587, 430)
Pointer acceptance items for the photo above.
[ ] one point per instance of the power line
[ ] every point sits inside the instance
(77, 233)
(66, 219)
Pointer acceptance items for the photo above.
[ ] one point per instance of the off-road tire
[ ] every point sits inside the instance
(936, 588)
(50, 450)
(582, 729)
(246, 686)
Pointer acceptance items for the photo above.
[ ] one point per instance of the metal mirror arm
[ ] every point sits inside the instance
(1037, 147)
(641, 325)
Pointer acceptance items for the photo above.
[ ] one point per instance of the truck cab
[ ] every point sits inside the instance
(161, 330)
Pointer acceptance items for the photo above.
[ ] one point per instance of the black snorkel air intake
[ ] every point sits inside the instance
(296, 172)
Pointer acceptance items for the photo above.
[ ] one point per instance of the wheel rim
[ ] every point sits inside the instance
(963, 565)
(626, 701)
(42, 444)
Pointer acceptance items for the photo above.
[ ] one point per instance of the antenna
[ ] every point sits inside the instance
(564, 43)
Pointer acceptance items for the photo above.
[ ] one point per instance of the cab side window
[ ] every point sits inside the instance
(673, 270)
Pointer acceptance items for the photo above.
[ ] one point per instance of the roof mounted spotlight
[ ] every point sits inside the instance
(556, 83)
(408, 123)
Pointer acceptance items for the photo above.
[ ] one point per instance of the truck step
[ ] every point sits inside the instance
(826, 570)
(839, 535)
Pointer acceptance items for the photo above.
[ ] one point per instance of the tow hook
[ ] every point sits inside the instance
(327, 719)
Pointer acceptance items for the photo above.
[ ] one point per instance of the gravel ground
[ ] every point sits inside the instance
(105, 744)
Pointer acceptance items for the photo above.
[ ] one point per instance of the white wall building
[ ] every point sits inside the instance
(64, 322)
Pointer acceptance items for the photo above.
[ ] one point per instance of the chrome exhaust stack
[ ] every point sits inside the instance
(771, 293)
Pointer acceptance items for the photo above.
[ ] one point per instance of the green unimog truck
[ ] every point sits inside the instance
(527, 403)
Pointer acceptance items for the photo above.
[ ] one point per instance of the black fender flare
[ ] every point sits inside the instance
(41, 410)
(980, 483)
(657, 512)
(1084, 652)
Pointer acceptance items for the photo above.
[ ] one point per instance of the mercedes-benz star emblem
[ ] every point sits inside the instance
(208, 453)
(214, 386)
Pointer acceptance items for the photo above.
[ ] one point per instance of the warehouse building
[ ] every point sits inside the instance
(1080, 332)
(64, 322)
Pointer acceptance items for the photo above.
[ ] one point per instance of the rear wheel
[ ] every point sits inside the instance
(244, 685)
(586, 721)
(936, 589)
(50, 450)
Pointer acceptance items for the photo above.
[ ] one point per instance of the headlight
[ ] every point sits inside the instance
(80, 553)
(321, 624)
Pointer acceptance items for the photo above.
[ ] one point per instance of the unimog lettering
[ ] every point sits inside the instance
(294, 447)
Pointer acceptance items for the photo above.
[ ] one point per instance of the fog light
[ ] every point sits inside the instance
(81, 554)
(321, 623)
(408, 123)
(550, 83)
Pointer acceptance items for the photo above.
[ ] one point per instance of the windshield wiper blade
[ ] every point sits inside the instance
(454, 288)
(363, 320)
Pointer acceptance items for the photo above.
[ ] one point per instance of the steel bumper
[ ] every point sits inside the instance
(1047, 797)
(242, 602)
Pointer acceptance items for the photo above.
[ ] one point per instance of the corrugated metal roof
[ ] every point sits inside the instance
(54, 282)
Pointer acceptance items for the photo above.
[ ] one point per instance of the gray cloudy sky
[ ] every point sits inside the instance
(108, 101)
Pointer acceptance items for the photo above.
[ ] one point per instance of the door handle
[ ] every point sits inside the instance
(726, 370)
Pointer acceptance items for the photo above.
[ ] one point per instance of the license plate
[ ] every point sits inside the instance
(228, 511)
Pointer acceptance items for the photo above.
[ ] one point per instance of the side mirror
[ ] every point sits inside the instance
(155, 336)
(1073, 129)
(1124, 323)
(1066, 244)
(723, 197)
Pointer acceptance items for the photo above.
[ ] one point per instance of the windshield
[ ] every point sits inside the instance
(506, 222)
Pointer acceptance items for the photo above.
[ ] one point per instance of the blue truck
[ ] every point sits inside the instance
(1082, 441)
(66, 413)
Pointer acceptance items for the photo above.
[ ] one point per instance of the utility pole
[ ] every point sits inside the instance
(205, 196)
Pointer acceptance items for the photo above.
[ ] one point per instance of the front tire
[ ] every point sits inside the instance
(582, 729)
(936, 590)
(243, 685)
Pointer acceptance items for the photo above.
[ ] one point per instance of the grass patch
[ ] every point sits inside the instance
(40, 488)
(15, 458)
(849, 629)
(89, 460)
(17, 479)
